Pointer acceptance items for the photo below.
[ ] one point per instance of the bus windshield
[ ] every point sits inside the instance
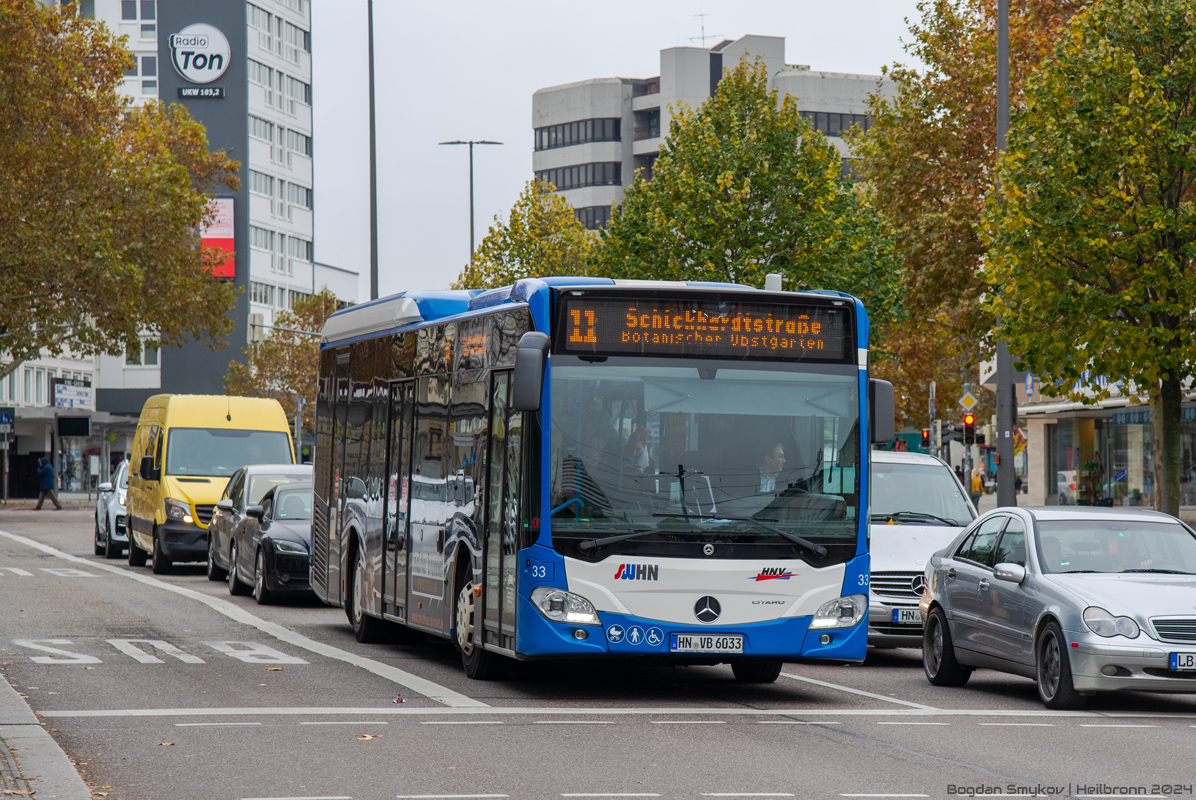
(713, 452)
(217, 453)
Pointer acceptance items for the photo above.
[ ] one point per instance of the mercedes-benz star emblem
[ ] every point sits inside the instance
(707, 609)
(708, 549)
(918, 584)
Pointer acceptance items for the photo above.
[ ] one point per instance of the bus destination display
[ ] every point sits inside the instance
(697, 327)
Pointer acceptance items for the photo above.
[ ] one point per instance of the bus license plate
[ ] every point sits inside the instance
(704, 643)
(907, 616)
(1185, 662)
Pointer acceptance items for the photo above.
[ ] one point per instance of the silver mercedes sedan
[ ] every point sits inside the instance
(1082, 600)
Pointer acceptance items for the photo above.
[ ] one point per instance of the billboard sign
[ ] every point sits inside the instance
(71, 393)
(200, 53)
(220, 235)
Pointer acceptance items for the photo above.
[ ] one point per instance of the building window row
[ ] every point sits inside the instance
(600, 173)
(274, 296)
(143, 70)
(276, 35)
(282, 91)
(284, 195)
(833, 124)
(580, 132)
(284, 142)
(30, 386)
(593, 217)
(143, 11)
(298, 6)
(145, 354)
(284, 250)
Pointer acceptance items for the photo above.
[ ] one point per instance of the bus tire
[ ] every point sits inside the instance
(479, 664)
(366, 629)
(757, 670)
(136, 555)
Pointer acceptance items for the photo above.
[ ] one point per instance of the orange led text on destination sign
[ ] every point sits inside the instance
(673, 327)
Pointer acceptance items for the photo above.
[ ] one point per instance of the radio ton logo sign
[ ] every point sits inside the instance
(200, 53)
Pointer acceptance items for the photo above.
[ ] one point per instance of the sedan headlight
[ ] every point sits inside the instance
(178, 511)
(561, 606)
(842, 612)
(283, 546)
(1102, 623)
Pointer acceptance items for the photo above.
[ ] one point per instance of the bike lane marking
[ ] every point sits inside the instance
(430, 689)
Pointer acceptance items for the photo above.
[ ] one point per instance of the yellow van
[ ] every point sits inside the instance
(184, 450)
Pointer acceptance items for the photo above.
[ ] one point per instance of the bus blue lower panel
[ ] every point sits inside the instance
(625, 635)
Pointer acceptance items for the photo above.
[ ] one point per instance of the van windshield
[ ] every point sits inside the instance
(919, 494)
(220, 453)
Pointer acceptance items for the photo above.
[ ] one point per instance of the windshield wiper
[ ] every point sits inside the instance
(915, 515)
(1076, 571)
(592, 544)
(816, 549)
(1168, 571)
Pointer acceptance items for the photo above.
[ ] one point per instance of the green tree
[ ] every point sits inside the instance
(927, 160)
(1092, 237)
(286, 365)
(99, 202)
(541, 236)
(745, 186)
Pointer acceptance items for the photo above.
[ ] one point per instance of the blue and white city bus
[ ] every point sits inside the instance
(586, 467)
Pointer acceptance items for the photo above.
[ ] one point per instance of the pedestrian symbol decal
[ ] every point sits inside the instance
(635, 634)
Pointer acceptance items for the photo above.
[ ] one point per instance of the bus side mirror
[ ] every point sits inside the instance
(530, 360)
(882, 411)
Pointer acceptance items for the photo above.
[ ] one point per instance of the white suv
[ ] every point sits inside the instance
(917, 508)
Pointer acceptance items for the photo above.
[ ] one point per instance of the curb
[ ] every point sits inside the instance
(42, 764)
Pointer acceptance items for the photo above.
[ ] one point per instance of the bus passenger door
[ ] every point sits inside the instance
(336, 504)
(398, 472)
(429, 506)
(500, 545)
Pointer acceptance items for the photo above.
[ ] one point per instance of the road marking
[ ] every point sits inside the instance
(127, 646)
(59, 656)
(20, 573)
(913, 723)
(68, 572)
(1113, 725)
(1020, 724)
(611, 794)
(688, 722)
(358, 722)
(793, 722)
(464, 722)
(431, 690)
(253, 653)
(443, 796)
(860, 692)
(213, 724)
(747, 794)
(588, 722)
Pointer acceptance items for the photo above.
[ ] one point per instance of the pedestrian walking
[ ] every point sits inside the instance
(977, 486)
(45, 473)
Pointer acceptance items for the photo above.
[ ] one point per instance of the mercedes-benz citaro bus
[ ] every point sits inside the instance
(573, 467)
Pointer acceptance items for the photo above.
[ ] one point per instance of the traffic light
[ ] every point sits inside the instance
(926, 438)
(969, 428)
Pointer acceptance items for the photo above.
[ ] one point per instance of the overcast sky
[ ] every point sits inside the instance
(467, 70)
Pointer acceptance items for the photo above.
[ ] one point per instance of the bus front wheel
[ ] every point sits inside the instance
(479, 664)
(756, 670)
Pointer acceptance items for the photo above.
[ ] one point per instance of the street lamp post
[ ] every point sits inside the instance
(1006, 399)
(471, 143)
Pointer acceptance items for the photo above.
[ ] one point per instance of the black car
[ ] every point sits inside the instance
(245, 488)
(272, 545)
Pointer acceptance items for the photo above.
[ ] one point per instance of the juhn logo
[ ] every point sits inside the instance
(638, 572)
(200, 53)
(774, 574)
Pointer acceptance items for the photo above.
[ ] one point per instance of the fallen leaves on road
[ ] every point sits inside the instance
(273, 669)
(165, 744)
(365, 737)
(17, 791)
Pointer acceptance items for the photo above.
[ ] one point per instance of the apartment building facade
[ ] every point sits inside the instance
(592, 137)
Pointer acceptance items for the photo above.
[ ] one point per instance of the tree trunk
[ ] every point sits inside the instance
(1164, 424)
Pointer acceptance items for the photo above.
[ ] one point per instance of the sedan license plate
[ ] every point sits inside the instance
(1185, 662)
(907, 616)
(704, 643)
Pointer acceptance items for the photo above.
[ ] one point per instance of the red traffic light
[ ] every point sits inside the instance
(969, 419)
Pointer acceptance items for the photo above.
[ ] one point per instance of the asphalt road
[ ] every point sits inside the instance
(164, 688)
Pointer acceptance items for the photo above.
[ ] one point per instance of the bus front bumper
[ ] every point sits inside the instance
(625, 635)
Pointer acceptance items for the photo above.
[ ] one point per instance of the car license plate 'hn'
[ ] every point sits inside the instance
(907, 616)
(704, 643)
(1183, 661)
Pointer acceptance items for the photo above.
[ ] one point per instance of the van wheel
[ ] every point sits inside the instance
(160, 564)
(757, 670)
(938, 653)
(367, 629)
(235, 586)
(214, 572)
(1053, 671)
(479, 664)
(136, 555)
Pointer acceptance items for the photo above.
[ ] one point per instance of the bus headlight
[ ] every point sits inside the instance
(842, 612)
(561, 606)
(178, 511)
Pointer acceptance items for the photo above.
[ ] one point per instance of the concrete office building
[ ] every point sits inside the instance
(592, 136)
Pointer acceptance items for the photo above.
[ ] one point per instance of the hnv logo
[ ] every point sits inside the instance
(773, 574)
(637, 572)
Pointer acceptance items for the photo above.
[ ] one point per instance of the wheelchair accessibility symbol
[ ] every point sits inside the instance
(655, 636)
(615, 633)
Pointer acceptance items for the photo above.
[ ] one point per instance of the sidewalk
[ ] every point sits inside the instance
(31, 762)
(68, 500)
